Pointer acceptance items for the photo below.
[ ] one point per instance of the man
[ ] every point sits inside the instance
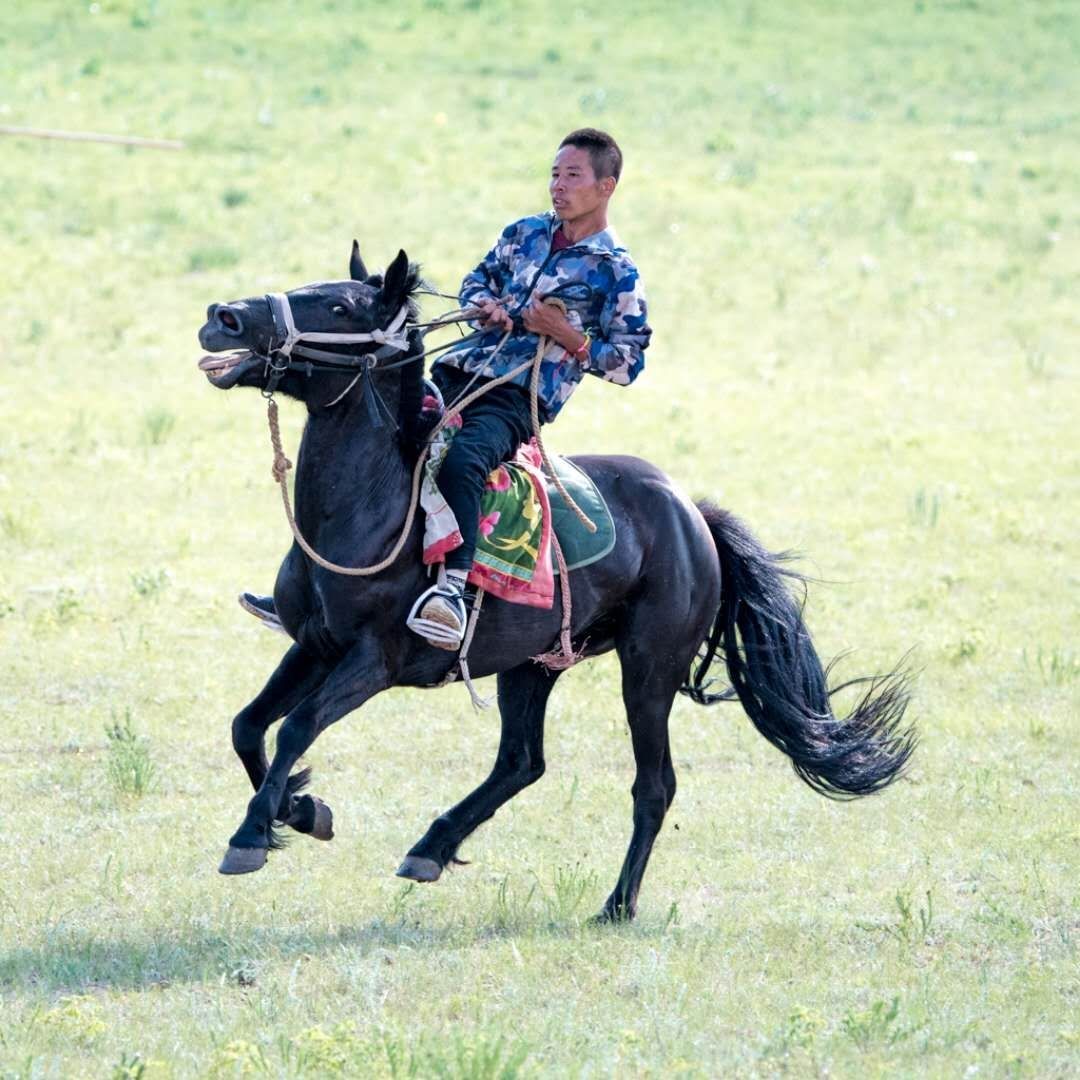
(570, 253)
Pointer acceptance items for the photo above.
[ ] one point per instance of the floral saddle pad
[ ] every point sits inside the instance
(519, 508)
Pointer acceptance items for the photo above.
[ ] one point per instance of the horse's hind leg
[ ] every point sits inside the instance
(523, 695)
(649, 685)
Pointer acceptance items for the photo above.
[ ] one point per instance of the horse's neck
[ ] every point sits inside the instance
(351, 471)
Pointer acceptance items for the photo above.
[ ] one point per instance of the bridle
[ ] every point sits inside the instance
(392, 340)
(284, 345)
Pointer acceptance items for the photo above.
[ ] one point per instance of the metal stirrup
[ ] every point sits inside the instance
(429, 628)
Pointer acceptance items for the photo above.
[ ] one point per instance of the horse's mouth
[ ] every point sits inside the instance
(224, 370)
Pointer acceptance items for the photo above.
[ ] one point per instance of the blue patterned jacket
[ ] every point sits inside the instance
(595, 278)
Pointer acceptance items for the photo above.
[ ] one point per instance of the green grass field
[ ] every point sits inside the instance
(860, 232)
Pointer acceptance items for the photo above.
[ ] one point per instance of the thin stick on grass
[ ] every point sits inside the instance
(91, 136)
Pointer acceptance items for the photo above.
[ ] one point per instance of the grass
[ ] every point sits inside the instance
(859, 232)
(128, 763)
(158, 423)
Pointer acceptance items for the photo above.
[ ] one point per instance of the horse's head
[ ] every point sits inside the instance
(253, 339)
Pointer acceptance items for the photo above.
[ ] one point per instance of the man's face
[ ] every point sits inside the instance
(575, 191)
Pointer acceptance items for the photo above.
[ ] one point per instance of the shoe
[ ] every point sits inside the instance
(262, 607)
(439, 617)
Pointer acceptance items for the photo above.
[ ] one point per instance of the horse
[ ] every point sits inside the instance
(685, 583)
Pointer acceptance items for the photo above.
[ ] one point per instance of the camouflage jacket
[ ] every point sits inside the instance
(595, 278)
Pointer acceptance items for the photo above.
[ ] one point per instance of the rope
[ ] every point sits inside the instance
(280, 470)
(463, 654)
(534, 405)
(282, 465)
(563, 657)
(344, 393)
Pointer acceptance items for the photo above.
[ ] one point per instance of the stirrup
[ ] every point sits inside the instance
(262, 607)
(435, 631)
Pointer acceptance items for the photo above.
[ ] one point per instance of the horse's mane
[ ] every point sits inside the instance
(412, 375)
(414, 283)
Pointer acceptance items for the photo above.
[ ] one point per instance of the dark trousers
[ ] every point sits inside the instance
(492, 429)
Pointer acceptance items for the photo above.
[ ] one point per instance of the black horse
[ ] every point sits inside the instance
(684, 583)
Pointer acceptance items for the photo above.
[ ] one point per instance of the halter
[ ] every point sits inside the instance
(284, 344)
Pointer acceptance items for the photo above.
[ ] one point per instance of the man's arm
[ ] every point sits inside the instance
(617, 355)
(487, 281)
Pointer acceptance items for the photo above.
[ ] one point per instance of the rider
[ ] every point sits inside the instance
(569, 253)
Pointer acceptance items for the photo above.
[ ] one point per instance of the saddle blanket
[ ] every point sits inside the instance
(513, 551)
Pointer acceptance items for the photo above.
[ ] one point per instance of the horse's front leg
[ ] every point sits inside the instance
(359, 675)
(298, 674)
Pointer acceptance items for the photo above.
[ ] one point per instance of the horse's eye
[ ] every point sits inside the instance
(338, 309)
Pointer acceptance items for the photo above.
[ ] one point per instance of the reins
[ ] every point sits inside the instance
(282, 465)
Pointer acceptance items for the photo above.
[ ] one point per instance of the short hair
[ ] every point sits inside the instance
(603, 150)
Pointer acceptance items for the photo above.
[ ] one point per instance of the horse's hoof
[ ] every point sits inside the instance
(243, 860)
(419, 869)
(312, 817)
(323, 828)
(611, 917)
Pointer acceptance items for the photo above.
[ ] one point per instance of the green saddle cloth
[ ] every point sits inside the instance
(580, 547)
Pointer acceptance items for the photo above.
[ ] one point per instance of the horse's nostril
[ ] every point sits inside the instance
(228, 320)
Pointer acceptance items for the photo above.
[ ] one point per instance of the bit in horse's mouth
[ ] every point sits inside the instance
(215, 366)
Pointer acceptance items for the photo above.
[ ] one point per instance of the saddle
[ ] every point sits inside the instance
(518, 510)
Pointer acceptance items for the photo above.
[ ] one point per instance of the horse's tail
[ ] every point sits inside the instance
(778, 677)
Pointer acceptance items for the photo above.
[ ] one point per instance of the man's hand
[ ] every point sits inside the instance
(549, 321)
(493, 316)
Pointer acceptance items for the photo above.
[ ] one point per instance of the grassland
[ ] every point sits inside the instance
(860, 230)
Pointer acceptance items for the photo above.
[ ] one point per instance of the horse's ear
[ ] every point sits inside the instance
(396, 281)
(357, 269)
